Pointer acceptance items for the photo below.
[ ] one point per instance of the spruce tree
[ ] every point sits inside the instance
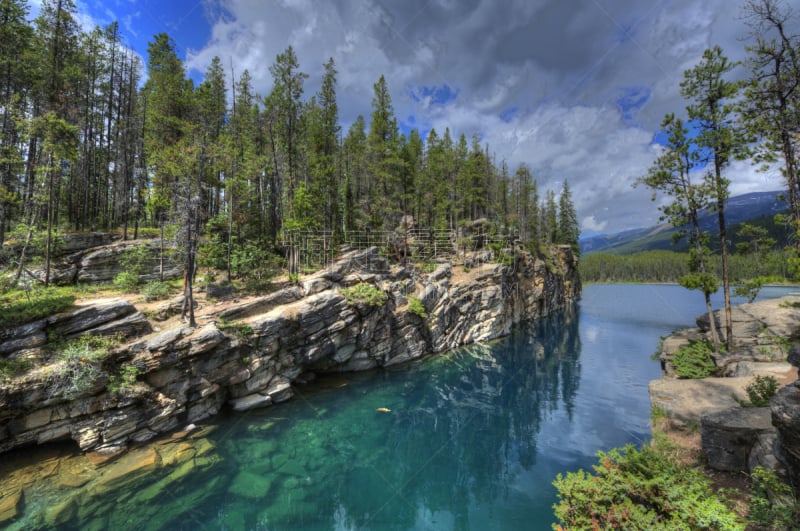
(568, 227)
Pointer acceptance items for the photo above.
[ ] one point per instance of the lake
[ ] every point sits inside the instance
(471, 439)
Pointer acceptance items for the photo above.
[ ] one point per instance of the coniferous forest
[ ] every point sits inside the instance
(93, 140)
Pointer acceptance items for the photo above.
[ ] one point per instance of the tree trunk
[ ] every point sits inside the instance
(723, 241)
(49, 225)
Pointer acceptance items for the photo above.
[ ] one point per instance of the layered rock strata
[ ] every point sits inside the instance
(250, 355)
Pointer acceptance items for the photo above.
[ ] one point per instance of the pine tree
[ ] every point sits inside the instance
(568, 227)
(15, 43)
(285, 107)
(772, 95)
(713, 110)
(671, 174)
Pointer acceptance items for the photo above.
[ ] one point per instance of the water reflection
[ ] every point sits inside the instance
(455, 450)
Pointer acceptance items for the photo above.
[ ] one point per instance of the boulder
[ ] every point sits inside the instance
(686, 401)
(794, 356)
(215, 291)
(785, 407)
(779, 370)
(73, 243)
(728, 436)
(764, 453)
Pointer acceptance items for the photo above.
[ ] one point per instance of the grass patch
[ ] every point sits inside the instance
(239, 328)
(18, 306)
(124, 379)
(11, 368)
(78, 364)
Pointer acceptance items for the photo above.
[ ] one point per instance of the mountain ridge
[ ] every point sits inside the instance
(758, 206)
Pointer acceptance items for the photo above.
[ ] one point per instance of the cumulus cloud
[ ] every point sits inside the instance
(574, 89)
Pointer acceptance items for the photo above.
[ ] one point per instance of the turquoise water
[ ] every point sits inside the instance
(467, 440)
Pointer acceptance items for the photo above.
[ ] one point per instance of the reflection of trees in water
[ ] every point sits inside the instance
(470, 418)
(467, 426)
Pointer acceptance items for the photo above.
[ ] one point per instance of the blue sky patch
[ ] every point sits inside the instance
(509, 114)
(436, 94)
(632, 100)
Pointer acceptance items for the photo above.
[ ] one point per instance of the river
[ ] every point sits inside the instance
(467, 440)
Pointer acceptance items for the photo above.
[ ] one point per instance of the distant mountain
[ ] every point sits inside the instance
(758, 208)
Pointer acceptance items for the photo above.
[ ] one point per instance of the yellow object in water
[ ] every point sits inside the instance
(384, 410)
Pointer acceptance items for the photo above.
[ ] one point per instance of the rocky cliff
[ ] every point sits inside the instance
(251, 354)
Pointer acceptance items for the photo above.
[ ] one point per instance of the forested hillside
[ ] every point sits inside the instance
(94, 140)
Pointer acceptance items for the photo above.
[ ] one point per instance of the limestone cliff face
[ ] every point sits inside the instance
(250, 355)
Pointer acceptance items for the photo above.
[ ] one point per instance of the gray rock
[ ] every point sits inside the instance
(133, 325)
(219, 292)
(794, 355)
(785, 407)
(441, 273)
(728, 436)
(280, 390)
(763, 453)
(72, 243)
(75, 322)
(262, 304)
(171, 307)
(686, 401)
(254, 401)
(316, 284)
(750, 368)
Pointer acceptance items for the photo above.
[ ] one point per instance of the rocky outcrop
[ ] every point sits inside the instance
(729, 436)
(252, 354)
(94, 265)
(785, 407)
(761, 331)
(736, 438)
(686, 401)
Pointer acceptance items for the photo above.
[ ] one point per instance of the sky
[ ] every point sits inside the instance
(576, 89)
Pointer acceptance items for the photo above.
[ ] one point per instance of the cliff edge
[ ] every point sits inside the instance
(358, 314)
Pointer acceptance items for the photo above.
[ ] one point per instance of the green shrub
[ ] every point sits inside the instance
(641, 489)
(11, 368)
(79, 365)
(242, 329)
(365, 293)
(155, 290)
(127, 282)
(761, 389)
(694, 360)
(773, 504)
(7, 284)
(500, 254)
(429, 267)
(416, 307)
(125, 379)
(255, 261)
(137, 260)
(17, 307)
